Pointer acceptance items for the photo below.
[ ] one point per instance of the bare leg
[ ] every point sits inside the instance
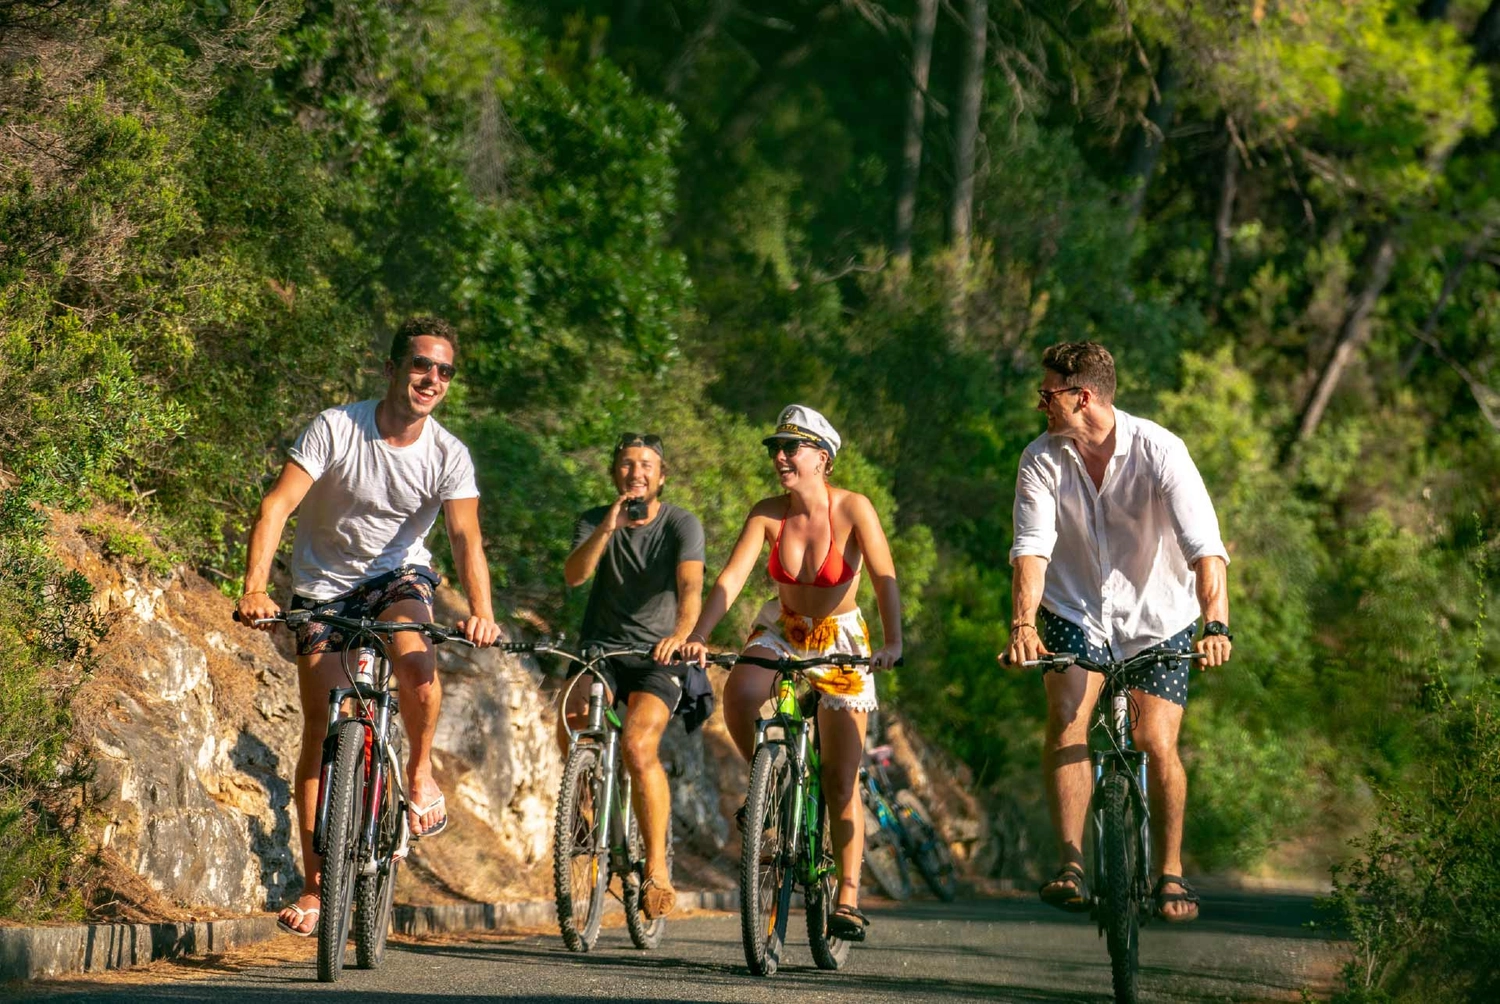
(415, 666)
(316, 676)
(1065, 757)
(842, 737)
(650, 795)
(1155, 732)
(747, 688)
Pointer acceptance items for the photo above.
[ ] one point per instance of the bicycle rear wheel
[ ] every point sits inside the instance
(644, 933)
(765, 860)
(926, 847)
(375, 895)
(1118, 901)
(579, 872)
(822, 897)
(883, 859)
(340, 860)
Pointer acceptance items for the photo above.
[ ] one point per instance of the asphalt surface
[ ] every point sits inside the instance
(1246, 947)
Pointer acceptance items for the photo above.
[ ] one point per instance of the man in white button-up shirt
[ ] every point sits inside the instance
(1117, 551)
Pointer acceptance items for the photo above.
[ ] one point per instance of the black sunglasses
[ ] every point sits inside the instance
(1048, 395)
(787, 446)
(423, 365)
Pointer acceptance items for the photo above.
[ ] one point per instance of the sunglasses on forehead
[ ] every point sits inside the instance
(649, 440)
(423, 365)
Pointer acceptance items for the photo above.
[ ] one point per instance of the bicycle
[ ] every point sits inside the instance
(885, 837)
(919, 840)
(1120, 813)
(361, 827)
(597, 835)
(786, 834)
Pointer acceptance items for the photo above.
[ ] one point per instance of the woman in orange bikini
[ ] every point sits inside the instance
(821, 538)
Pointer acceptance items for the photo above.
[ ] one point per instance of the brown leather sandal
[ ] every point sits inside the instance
(657, 900)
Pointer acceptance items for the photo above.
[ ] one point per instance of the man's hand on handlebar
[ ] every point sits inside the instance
(255, 606)
(670, 650)
(1025, 646)
(1215, 649)
(482, 632)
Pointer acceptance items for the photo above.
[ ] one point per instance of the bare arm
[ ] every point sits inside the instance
(584, 560)
(276, 507)
(461, 517)
(877, 553)
(1026, 599)
(728, 585)
(1213, 600)
(689, 604)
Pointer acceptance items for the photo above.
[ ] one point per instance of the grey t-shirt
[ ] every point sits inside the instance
(634, 598)
(371, 504)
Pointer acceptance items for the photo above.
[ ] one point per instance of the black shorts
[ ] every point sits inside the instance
(370, 598)
(1168, 682)
(629, 674)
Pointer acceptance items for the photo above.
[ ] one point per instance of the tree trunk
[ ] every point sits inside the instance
(772, 80)
(1224, 223)
(1153, 136)
(966, 135)
(1355, 332)
(682, 65)
(923, 27)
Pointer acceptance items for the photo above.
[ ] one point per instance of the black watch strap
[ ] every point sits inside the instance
(1217, 629)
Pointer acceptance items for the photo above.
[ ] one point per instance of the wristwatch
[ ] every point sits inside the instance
(1217, 628)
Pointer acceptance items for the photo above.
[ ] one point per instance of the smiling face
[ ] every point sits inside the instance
(414, 393)
(808, 461)
(638, 472)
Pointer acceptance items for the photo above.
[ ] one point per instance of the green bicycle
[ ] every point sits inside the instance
(787, 843)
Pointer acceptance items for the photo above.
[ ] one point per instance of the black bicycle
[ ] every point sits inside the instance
(597, 834)
(1120, 812)
(361, 827)
(904, 815)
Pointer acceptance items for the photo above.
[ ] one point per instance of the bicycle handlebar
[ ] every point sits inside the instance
(297, 618)
(1060, 661)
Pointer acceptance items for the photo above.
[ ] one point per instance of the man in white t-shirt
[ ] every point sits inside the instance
(1117, 551)
(370, 479)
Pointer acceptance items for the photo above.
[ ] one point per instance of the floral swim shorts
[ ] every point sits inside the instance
(792, 635)
(368, 599)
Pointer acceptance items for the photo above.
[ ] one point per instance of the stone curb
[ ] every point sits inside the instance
(32, 953)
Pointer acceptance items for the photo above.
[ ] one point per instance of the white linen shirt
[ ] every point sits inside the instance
(1120, 557)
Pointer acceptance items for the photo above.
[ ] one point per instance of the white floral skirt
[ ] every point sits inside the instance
(795, 636)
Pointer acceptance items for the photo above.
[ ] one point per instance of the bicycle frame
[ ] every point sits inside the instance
(604, 729)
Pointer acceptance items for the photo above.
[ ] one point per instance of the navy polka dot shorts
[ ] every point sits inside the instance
(1167, 682)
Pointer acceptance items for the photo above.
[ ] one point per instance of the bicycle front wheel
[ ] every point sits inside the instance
(822, 899)
(1118, 900)
(375, 895)
(766, 860)
(579, 872)
(340, 860)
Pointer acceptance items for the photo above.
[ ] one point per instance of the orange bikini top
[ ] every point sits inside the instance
(835, 571)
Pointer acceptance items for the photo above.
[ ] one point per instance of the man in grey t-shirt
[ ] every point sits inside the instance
(370, 479)
(646, 560)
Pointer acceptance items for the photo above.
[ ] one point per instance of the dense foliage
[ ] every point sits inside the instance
(1281, 216)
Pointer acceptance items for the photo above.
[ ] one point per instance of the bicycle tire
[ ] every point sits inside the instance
(1118, 901)
(645, 934)
(375, 895)
(766, 875)
(344, 801)
(926, 847)
(580, 877)
(828, 952)
(883, 860)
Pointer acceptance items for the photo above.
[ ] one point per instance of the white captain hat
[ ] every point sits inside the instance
(797, 421)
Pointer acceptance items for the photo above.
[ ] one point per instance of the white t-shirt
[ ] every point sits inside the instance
(1120, 557)
(371, 505)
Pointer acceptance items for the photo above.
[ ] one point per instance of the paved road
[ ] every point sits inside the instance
(1249, 947)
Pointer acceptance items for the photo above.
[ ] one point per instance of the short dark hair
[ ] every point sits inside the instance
(1087, 364)
(416, 327)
